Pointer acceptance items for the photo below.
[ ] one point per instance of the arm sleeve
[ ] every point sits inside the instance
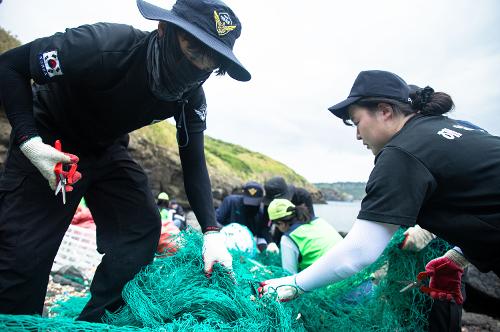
(16, 94)
(197, 182)
(289, 255)
(360, 248)
(397, 188)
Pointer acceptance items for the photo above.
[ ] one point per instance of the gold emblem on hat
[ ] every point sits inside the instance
(252, 191)
(223, 25)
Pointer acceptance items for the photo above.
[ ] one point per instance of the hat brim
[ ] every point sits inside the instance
(152, 12)
(253, 201)
(340, 109)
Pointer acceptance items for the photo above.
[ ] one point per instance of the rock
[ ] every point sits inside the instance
(472, 322)
(488, 283)
(483, 292)
(331, 194)
(192, 221)
(71, 276)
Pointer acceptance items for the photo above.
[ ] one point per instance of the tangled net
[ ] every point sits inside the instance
(172, 294)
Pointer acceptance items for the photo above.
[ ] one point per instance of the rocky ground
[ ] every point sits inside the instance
(472, 322)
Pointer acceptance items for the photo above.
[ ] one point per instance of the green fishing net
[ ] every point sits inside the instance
(173, 294)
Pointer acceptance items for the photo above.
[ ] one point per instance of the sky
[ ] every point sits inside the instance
(304, 57)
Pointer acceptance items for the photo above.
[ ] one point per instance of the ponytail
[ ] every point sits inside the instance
(426, 101)
(302, 213)
(423, 101)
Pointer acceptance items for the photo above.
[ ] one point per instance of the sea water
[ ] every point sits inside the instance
(340, 215)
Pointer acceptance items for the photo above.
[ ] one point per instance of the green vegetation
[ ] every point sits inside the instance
(230, 160)
(7, 41)
(342, 191)
(161, 134)
(248, 164)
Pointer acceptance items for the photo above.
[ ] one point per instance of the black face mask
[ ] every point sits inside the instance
(170, 73)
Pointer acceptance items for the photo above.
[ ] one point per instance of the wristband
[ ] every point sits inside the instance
(454, 256)
(212, 229)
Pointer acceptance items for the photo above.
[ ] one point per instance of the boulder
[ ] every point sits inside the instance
(483, 292)
(472, 322)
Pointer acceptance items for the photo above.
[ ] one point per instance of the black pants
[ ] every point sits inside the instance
(33, 222)
(446, 316)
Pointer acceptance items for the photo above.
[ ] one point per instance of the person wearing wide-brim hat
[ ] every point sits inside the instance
(93, 85)
(429, 170)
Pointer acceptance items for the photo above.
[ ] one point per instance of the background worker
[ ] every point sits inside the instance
(174, 205)
(276, 187)
(170, 210)
(304, 239)
(93, 85)
(162, 202)
(429, 170)
(244, 209)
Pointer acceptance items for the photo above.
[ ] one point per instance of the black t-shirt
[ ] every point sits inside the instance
(445, 177)
(92, 85)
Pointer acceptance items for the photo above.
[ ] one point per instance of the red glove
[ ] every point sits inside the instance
(445, 277)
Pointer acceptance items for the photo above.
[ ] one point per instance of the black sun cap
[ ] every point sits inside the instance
(276, 187)
(212, 22)
(373, 83)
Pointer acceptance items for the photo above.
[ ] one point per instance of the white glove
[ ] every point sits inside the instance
(285, 288)
(44, 157)
(272, 247)
(416, 239)
(214, 250)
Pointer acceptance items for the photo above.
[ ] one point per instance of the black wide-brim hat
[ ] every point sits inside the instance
(210, 21)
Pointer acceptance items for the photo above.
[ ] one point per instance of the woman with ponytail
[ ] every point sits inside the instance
(430, 171)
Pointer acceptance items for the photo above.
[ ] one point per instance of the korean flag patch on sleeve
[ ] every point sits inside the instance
(51, 66)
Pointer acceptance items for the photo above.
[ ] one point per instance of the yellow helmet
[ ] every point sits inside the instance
(163, 197)
(280, 208)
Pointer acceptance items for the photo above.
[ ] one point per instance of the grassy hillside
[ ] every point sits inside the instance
(229, 160)
(7, 40)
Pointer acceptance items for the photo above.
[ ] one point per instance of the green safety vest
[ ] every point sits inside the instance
(164, 214)
(314, 239)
